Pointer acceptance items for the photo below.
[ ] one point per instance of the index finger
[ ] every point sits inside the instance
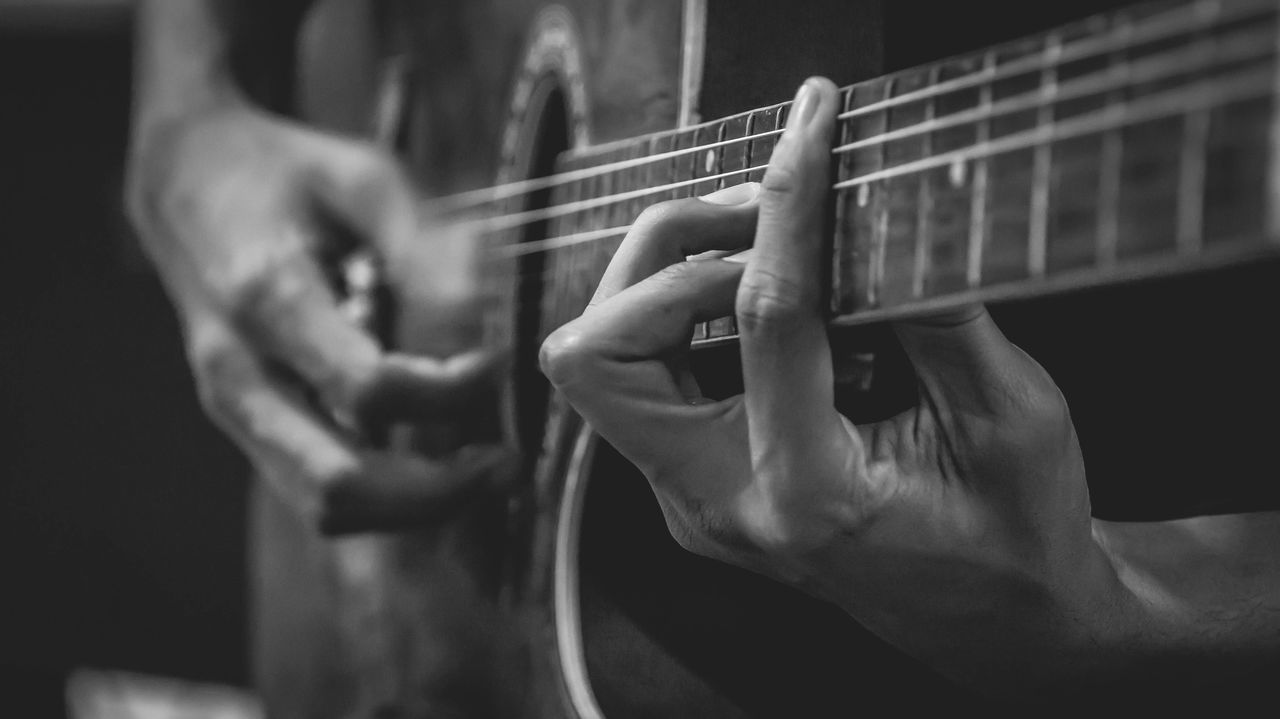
(786, 359)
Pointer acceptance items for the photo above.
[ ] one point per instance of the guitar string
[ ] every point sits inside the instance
(1208, 95)
(1096, 83)
(1134, 111)
(519, 219)
(524, 187)
(1216, 92)
(1123, 36)
(1191, 17)
(1151, 70)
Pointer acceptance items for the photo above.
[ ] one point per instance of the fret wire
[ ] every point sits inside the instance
(1037, 241)
(924, 201)
(1194, 155)
(1110, 160)
(1195, 142)
(837, 269)
(1273, 177)
(719, 156)
(978, 209)
(1153, 68)
(1261, 44)
(880, 239)
(507, 222)
(591, 150)
(1108, 239)
(1160, 27)
(685, 166)
(1163, 105)
(724, 326)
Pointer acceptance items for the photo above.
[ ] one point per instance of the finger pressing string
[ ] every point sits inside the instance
(785, 356)
(669, 232)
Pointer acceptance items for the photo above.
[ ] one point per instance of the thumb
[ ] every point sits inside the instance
(965, 362)
(366, 189)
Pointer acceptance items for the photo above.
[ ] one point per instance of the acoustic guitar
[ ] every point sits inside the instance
(1134, 144)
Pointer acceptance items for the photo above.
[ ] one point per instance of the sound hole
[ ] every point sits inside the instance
(552, 138)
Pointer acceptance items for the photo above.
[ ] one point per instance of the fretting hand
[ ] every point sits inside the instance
(959, 530)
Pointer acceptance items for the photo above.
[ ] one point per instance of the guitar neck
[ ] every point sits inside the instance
(1129, 145)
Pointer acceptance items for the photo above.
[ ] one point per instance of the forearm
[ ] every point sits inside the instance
(1185, 604)
(196, 54)
(1179, 609)
(1208, 588)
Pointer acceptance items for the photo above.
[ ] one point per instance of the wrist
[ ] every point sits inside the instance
(1015, 634)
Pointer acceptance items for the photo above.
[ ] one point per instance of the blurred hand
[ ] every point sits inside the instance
(960, 530)
(235, 207)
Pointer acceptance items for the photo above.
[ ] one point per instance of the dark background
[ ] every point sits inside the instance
(121, 509)
(122, 537)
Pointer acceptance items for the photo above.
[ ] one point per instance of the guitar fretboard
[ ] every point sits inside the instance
(1132, 144)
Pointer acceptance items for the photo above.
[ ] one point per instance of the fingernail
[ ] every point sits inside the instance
(803, 107)
(736, 195)
(740, 257)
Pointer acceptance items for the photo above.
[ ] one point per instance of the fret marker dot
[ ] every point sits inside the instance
(864, 195)
(957, 173)
(710, 163)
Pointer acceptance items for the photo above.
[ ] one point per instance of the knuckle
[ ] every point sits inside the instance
(656, 216)
(783, 534)
(677, 274)
(784, 522)
(666, 223)
(158, 195)
(767, 298)
(564, 356)
(251, 292)
(781, 180)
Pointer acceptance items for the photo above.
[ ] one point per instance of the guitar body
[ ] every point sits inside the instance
(538, 606)
(568, 599)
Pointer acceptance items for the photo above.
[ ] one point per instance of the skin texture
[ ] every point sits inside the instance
(236, 206)
(960, 530)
